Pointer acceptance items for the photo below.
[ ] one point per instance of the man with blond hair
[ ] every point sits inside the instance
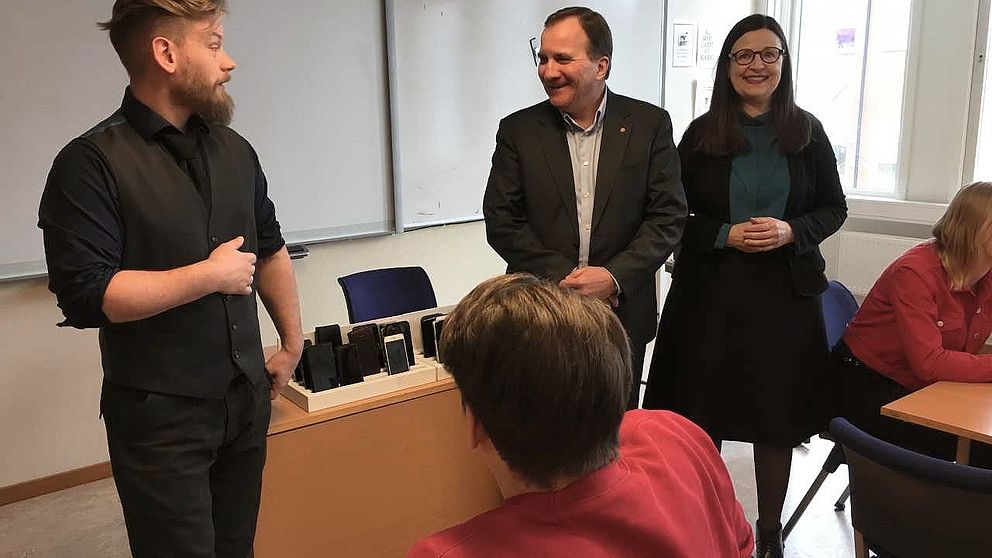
(159, 231)
(544, 374)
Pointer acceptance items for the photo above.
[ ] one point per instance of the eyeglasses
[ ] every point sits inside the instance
(745, 56)
(534, 49)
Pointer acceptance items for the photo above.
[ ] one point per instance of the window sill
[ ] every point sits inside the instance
(899, 211)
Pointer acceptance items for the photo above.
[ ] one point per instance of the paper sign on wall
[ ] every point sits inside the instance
(683, 44)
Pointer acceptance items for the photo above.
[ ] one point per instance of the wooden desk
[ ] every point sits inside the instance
(962, 409)
(369, 478)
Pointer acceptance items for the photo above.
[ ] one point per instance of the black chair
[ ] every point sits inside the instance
(839, 307)
(380, 293)
(907, 505)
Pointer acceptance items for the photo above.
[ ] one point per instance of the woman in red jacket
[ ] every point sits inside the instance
(924, 321)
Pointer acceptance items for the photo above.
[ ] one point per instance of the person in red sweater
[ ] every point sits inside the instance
(924, 321)
(544, 375)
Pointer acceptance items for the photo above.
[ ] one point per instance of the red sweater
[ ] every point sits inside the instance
(915, 330)
(668, 495)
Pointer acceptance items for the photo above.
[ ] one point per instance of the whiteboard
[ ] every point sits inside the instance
(311, 96)
(458, 66)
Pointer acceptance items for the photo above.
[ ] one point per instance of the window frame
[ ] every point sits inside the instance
(940, 90)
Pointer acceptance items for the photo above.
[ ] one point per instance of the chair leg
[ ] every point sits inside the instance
(804, 503)
(860, 548)
(834, 459)
(839, 504)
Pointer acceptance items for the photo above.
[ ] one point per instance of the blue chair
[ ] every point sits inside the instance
(910, 505)
(380, 293)
(839, 307)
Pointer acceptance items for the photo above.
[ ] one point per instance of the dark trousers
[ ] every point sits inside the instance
(188, 471)
(637, 365)
(863, 393)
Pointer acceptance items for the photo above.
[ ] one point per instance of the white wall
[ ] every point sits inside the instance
(50, 377)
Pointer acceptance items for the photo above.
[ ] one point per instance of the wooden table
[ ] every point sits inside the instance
(369, 478)
(962, 409)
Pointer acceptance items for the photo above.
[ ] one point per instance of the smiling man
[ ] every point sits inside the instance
(584, 188)
(159, 230)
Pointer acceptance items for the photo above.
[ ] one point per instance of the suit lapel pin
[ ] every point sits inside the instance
(623, 130)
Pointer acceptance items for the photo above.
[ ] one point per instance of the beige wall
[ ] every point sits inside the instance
(49, 399)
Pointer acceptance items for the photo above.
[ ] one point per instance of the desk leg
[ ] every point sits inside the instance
(964, 451)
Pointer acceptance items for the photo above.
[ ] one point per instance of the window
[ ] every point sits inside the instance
(850, 65)
(983, 151)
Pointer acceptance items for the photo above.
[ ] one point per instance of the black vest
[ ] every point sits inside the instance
(198, 348)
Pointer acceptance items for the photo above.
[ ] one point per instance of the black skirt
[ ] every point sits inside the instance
(740, 353)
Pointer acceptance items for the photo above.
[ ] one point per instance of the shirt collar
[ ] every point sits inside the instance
(600, 112)
(147, 122)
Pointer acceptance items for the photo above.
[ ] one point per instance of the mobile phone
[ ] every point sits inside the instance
(368, 349)
(427, 334)
(401, 328)
(319, 370)
(349, 366)
(298, 371)
(438, 328)
(395, 348)
(328, 334)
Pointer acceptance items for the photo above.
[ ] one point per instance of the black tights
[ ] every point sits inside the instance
(772, 465)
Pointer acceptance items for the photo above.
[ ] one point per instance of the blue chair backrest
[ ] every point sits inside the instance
(380, 293)
(839, 307)
(912, 505)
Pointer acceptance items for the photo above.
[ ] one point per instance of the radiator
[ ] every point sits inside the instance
(861, 257)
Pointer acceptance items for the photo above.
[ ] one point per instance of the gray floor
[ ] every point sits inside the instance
(86, 521)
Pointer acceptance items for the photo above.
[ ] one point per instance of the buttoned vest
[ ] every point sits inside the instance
(195, 349)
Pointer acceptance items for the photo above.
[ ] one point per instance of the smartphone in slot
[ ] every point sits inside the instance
(438, 328)
(365, 341)
(401, 328)
(395, 348)
(319, 370)
(298, 371)
(328, 334)
(427, 334)
(348, 363)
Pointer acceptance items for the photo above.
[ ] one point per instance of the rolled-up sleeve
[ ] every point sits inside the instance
(269, 232)
(79, 219)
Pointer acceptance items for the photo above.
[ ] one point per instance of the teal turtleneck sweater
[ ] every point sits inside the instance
(759, 177)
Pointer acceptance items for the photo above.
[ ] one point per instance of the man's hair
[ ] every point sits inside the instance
(133, 22)
(596, 28)
(545, 371)
(962, 233)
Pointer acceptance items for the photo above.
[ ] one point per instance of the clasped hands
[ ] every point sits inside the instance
(592, 281)
(759, 234)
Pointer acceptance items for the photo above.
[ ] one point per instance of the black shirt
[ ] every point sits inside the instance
(82, 227)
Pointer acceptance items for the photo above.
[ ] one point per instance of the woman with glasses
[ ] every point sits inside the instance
(741, 348)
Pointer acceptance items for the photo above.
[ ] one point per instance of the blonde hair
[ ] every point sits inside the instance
(132, 23)
(962, 232)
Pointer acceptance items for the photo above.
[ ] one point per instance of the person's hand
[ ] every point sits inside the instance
(592, 281)
(735, 238)
(234, 271)
(280, 368)
(767, 233)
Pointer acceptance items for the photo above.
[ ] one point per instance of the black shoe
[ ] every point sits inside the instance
(768, 545)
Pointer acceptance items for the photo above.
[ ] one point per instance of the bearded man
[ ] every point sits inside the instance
(158, 231)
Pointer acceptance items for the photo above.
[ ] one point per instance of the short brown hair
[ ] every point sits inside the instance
(596, 28)
(133, 21)
(545, 371)
(962, 232)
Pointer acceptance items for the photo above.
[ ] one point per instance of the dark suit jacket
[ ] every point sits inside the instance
(815, 209)
(638, 211)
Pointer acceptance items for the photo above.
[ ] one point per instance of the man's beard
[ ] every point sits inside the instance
(203, 98)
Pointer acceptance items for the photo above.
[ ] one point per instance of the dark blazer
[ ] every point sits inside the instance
(638, 211)
(815, 209)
